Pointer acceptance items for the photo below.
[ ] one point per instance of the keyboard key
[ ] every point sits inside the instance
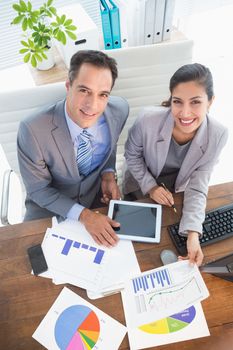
(218, 225)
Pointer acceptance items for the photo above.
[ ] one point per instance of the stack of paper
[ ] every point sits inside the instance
(163, 305)
(73, 323)
(73, 257)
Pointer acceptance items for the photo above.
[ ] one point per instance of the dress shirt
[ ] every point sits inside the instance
(100, 140)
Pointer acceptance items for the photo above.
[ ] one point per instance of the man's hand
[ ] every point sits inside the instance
(109, 187)
(100, 227)
(161, 196)
(195, 254)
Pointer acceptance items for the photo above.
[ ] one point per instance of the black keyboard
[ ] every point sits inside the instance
(218, 225)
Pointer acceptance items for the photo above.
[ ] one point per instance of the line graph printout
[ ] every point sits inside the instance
(73, 256)
(73, 323)
(158, 293)
(183, 325)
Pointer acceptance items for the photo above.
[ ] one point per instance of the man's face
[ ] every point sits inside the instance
(88, 95)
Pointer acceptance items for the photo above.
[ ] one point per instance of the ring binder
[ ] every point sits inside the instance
(106, 25)
(115, 24)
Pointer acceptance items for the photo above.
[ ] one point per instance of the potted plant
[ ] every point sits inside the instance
(40, 27)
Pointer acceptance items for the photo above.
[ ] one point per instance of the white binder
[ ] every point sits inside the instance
(140, 21)
(158, 20)
(124, 13)
(168, 18)
(149, 21)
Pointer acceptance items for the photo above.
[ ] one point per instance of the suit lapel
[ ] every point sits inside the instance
(111, 121)
(194, 154)
(62, 138)
(163, 142)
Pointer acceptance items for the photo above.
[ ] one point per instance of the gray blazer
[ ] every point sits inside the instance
(47, 161)
(146, 152)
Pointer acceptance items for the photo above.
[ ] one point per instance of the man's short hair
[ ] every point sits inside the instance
(96, 58)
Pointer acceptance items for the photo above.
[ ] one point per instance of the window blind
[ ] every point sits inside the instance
(11, 35)
(185, 8)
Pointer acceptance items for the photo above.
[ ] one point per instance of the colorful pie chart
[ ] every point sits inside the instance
(77, 328)
(172, 323)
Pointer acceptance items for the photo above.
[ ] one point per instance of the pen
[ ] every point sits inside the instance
(173, 207)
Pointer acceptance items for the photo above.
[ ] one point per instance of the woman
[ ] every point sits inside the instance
(177, 145)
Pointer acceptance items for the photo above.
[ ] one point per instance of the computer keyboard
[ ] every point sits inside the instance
(218, 225)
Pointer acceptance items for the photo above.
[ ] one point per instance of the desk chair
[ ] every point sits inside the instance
(144, 74)
(11, 198)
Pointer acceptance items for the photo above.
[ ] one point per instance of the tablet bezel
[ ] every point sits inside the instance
(158, 221)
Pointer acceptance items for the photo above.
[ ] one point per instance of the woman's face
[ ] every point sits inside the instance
(189, 106)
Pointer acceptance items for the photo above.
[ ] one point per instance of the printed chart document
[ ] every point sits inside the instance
(164, 291)
(73, 256)
(73, 323)
(184, 325)
(122, 265)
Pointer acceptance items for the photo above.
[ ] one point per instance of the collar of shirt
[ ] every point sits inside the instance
(75, 130)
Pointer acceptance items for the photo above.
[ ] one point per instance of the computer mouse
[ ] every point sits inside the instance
(168, 256)
(116, 228)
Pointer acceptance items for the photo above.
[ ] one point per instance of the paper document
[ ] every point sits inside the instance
(73, 323)
(73, 256)
(161, 292)
(183, 325)
(122, 265)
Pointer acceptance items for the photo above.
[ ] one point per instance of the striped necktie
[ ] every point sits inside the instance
(84, 153)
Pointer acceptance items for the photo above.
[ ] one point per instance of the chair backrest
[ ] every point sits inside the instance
(144, 74)
(11, 198)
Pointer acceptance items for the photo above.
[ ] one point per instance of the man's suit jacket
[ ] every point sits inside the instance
(146, 151)
(47, 160)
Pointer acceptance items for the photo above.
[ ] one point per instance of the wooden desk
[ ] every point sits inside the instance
(25, 299)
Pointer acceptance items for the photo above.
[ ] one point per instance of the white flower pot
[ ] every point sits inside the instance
(47, 63)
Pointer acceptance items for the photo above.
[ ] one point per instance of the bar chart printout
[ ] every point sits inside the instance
(74, 259)
(72, 323)
(158, 293)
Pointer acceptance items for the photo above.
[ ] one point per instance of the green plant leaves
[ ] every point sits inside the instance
(27, 57)
(33, 61)
(71, 35)
(40, 29)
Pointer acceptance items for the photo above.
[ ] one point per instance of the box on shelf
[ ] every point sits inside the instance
(87, 32)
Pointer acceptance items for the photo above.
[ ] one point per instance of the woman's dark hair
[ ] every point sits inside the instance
(191, 72)
(96, 58)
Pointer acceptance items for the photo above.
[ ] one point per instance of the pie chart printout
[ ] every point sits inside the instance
(77, 328)
(172, 323)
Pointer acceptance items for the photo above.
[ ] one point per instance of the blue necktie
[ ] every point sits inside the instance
(84, 153)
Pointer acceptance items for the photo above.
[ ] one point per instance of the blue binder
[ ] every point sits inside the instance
(115, 24)
(106, 25)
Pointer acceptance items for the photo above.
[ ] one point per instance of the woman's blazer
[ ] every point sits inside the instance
(146, 151)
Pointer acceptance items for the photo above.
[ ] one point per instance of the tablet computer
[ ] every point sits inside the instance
(139, 221)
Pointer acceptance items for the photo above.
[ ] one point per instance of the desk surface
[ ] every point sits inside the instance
(25, 299)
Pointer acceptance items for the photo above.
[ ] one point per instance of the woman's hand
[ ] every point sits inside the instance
(161, 196)
(195, 254)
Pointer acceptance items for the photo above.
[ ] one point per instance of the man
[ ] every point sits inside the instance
(67, 152)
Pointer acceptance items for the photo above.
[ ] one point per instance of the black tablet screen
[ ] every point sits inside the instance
(135, 220)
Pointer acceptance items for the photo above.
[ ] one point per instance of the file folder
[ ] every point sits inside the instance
(124, 15)
(158, 20)
(140, 21)
(168, 17)
(106, 25)
(149, 21)
(115, 24)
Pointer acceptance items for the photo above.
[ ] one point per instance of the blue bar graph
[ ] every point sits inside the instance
(70, 243)
(152, 280)
(76, 244)
(99, 256)
(67, 247)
